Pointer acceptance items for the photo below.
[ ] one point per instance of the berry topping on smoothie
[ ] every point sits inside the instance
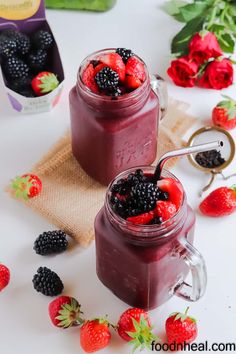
(140, 201)
(114, 73)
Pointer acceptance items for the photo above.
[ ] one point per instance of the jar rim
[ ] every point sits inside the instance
(156, 231)
(122, 98)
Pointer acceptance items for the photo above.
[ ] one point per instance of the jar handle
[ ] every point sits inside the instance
(159, 87)
(194, 260)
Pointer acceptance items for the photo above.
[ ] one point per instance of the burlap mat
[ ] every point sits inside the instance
(71, 199)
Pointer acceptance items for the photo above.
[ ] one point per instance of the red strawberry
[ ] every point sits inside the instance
(4, 276)
(44, 83)
(114, 62)
(220, 202)
(141, 219)
(88, 78)
(224, 114)
(134, 67)
(65, 312)
(134, 326)
(174, 190)
(132, 82)
(27, 186)
(181, 328)
(98, 68)
(165, 209)
(95, 335)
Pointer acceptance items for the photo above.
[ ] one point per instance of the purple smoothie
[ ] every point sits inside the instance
(139, 263)
(110, 135)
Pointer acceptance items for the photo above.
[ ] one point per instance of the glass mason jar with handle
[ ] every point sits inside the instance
(144, 265)
(112, 134)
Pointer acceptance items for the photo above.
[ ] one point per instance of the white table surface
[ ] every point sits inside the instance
(24, 325)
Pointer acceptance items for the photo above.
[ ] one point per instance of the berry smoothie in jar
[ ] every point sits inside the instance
(144, 240)
(114, 114)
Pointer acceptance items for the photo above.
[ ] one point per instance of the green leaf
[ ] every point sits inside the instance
(181, 40)
(172, 7)
(191, 11)
(226, 42)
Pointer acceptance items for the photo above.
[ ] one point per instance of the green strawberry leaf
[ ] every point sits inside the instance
(191, 11)
(181, 40)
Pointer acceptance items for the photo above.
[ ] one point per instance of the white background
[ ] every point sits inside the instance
(24, 324)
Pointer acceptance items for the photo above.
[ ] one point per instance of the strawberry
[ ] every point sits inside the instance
(114, 62)
(88, 78)
(4, 276)
(44, 83)
(134, 67)
(141, 219)
(27, 186)
(224, 114)
(165, 209)
(220, 202)
(65, 312)
(180, 328)
(132, 82)
(94, 335)
(174, 190)
(98, 68)
(134, 326)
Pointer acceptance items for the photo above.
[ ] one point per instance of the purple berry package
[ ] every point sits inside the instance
(29, 53)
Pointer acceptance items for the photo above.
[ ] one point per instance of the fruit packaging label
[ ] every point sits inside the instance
(20, 10)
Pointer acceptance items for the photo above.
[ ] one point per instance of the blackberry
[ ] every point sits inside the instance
(145, 195)
(15, 68)
(18, 85)
(43, 40)
(125, 53)
(51, 242)
(47, 282)
(8, 47)
(107, 79)
(163, 195)
(38, 60)
(22, 40)
(115, 92)
(157, 220)
(27, 92)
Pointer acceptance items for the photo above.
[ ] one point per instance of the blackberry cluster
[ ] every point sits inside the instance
(51, 242)
(23, 57)
(107, 79)
(210, 159)
(42, 39)
(125, 53)
(16, 68)
(21, 85)
(38, 60)
(139, 195)
(47, 282)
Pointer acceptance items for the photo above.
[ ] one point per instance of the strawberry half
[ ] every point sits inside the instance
(142, 219)
(65, 312)
(165, 209)
(174, 190)
(220, 202)
(224, 114)
(132, 82)
(44, 83)
(114, 62)
(88, 78)
(27, 186)
(4, 276)
(180, 328)
(134, 67)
